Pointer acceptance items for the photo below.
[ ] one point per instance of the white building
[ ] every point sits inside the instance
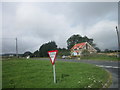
(77, 49)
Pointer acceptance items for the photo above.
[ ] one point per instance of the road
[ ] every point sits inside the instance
(112, 66)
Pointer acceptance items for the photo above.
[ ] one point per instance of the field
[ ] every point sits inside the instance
(101, 56)
(22, 73)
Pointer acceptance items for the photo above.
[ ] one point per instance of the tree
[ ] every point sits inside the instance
(28, 53)
(98, 50)
(75, 39)
(36, 53)
(106, 50)
(63, 51)
(47, 47)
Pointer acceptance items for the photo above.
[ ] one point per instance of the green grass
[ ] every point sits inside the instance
(22, 73)
(100, 57)
(0, 73)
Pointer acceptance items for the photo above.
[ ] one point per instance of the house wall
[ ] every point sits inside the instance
(91, 49)
(87, 46)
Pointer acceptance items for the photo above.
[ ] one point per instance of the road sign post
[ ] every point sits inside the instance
(52, 55)
(54, 74)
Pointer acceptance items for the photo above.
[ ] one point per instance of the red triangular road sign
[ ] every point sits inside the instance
(52, 54)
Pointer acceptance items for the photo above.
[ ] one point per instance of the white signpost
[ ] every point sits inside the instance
(52, 55)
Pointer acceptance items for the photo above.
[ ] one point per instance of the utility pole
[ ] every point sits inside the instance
(16, 48)
(118, 41)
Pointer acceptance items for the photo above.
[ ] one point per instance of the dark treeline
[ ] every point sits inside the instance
(71, 41)
(42, 52)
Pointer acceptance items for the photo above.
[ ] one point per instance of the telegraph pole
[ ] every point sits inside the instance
(118, 41)
(16, 48)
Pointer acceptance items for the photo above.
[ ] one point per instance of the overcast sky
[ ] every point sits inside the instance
(36, 23)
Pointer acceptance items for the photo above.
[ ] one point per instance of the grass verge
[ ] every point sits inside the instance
(22, 73)
(100, 57)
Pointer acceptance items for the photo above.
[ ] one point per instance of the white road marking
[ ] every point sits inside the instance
(107, 66)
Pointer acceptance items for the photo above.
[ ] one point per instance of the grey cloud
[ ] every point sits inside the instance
(37, 23)
(90, 13)
(104, 34)
(85, 12)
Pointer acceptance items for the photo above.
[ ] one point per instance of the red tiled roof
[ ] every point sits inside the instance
(79, 45)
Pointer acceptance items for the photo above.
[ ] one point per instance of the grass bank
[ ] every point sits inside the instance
(22, 73)
(100, 57)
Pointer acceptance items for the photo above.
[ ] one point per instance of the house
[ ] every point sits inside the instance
(77, 49)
